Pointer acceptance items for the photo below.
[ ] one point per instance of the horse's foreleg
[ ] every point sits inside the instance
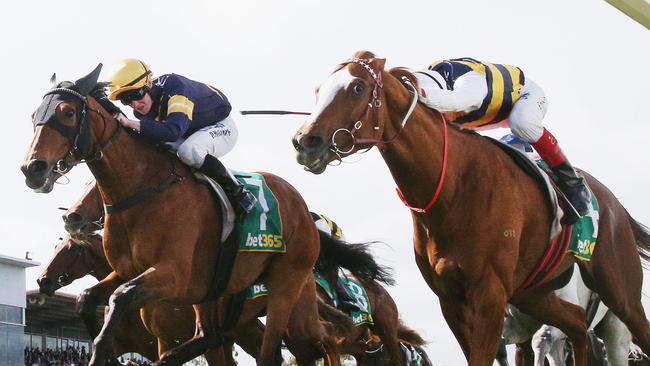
(130, 295)
(502, 354)
(548, 341)
(90, 298)
(455, 313)
(486, 300)
(524, 354)
(617, 339)
(206, 337)
(553, 311)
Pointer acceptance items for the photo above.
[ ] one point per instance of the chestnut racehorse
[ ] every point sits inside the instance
(465, 193)
(165, 245)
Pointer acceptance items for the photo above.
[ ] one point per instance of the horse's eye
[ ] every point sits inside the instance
(68, 113)
(358, 88)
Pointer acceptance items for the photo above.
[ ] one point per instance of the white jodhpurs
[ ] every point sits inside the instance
(216, 140)
(526, 117)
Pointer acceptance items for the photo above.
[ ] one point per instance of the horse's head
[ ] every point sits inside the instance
(62, 133)
(346, 113)
(86, 216)
(72, 260)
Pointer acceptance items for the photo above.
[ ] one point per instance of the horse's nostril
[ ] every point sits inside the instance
(44, 282)
(72, 218)
(36, 167)
(311, 142)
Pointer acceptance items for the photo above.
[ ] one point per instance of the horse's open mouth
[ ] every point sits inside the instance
(41, 186)
(44, 184)
(316, 162)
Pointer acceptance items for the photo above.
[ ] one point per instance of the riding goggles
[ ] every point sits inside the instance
(130, 96)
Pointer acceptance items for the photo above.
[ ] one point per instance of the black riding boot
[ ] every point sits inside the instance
(241, 198)
(574, 187)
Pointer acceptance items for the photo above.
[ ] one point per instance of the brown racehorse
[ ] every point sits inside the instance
(82, 219)
(170, 324)
(165, 246)
(459, 241)
(387, 326)
(74, 259)
(385, 334)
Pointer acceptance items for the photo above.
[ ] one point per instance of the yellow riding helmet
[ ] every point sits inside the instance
(129, 74)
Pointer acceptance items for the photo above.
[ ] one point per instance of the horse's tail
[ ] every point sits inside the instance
(410, 336)
(355, 257)
(340, 323)
(642, 237)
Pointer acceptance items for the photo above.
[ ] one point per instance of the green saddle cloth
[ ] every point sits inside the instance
(261, 230)
(585, 230)
(360, 311)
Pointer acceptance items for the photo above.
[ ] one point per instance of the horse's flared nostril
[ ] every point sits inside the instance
(72, 218)
(35, 168)
(309, 142)
(44, 283)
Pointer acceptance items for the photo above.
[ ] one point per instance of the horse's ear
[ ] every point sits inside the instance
(378, 63)
(88, 82)
(53, 81)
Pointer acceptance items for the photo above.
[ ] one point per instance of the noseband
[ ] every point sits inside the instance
(374, 104)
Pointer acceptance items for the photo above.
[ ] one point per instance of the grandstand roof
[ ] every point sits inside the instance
(17, 261)
(55, 311)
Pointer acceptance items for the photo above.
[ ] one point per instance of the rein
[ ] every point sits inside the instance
(441, 179)
(146, 194)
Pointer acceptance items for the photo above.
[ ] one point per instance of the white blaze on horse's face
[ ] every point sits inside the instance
(331, 87)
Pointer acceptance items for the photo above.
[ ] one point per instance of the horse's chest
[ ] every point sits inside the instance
(441, 267)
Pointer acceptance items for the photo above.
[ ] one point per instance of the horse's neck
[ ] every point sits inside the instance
(415, 158)
(101, 268)
(128, 166)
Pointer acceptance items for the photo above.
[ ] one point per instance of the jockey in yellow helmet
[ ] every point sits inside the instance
(193, 117)
(481, 95)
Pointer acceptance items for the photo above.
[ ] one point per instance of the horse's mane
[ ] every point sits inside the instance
(100, 94)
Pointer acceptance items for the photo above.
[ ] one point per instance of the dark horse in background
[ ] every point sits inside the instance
(459, 241)
(165, 248)
(75, 258)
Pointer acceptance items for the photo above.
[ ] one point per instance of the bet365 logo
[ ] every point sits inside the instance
(264, 241)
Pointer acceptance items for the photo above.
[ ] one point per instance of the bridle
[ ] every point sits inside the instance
(79, 135)
(374, 104)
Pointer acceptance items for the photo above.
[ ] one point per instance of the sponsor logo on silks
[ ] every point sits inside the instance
(257, 289)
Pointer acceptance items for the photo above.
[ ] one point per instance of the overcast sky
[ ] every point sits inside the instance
(590, 59)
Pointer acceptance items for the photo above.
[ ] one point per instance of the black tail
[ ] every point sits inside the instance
(642, 237)
(408, 335)
(355, 257)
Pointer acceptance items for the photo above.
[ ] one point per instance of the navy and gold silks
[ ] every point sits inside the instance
(181, 107)
(504, 84)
